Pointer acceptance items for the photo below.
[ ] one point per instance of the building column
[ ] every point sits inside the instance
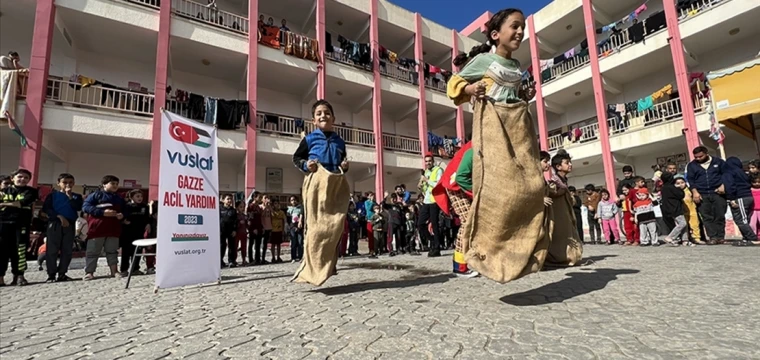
(162, 73)
(535, 57)
(36, 91)
(422, 102)
(682, 76)
(321, 29)
(251, 96)
(461, 132)
(377, 119)
(599, 98)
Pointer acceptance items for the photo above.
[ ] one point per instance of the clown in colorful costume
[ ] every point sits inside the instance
(454, 191)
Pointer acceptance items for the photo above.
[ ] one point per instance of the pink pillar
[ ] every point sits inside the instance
(535, 57)
(321, 79)
(599, 100)
(42, 41)
(461, 132)
(422, 103)
(162, 73)
(251, 82)
(682, 76)
(377, 119)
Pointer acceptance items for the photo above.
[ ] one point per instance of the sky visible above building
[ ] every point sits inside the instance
(457, 14)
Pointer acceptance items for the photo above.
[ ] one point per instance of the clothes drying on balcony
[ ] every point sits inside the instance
(226, 114)
(655, 22)
(636, 32)
(269, 36)
(358, 53)
(300, 46)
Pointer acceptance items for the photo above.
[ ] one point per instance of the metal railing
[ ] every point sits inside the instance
(342, 57)
(437, 85)
(567, 66)
(156, 4)
(179, 108)
(697, 7)
(212, 16)
(587, 133)
(399, 73)
(401, 143)
(99, 97)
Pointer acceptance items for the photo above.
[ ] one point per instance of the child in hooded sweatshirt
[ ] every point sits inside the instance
(134, 227)
(672, 206)
(606, 211)
(643, 211)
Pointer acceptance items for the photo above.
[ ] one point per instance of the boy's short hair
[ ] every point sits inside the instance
(628, 168)
(638, 178)
(321, 102)
(64, 176)
(627, 186)
(590, 187)
(238, 203)
(21, 171)
(571, 188)
(226, 196)
(132, 193)
(5, 178)
(545, 156)
(108, 178)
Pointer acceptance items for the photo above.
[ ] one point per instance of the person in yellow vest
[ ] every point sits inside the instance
(430, 211)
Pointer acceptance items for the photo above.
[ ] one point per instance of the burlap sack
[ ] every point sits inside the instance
(506, 227)
(566, 249)
(325, 203)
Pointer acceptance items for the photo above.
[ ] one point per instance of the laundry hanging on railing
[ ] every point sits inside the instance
(269, 36)
(358, 53)
(301, 46)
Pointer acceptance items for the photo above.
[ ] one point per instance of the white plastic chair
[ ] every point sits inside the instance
(143, 243)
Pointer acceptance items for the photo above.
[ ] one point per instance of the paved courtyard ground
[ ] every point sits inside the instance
(637, 303)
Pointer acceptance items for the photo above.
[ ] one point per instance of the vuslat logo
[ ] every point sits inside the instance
(189, 135)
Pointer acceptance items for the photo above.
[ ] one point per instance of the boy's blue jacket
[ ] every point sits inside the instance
(327, 148)
(57, 203)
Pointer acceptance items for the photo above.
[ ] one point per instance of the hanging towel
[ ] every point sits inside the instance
(645, 104)
(657, 95)
(210, 117)
(392, 57)
(636, 32)
(546, 64)
(640, 9)
(328, 42)
(570, 53)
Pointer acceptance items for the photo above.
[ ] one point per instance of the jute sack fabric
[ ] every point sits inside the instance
(506, 227)
(566, 249)
(325, 203)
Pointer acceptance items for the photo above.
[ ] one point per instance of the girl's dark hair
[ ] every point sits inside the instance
(545, 156)
(238, 203)
(561, 156)
(604, 191)
(493, 24)
(754, 177)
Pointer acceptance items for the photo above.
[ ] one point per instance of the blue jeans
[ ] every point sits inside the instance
(296, 244)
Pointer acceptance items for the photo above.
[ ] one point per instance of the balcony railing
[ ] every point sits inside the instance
(399, 73)
(211, 16)
(156, 4)
(343, 58)
(569, 65)
(401, 143)
(23, 82)
(666, 111)
(99, 97)
(434, 84)
(697, 7)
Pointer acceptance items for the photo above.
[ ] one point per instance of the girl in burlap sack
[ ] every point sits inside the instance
(506, 229)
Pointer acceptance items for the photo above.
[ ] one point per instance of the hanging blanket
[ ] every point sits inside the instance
(8, 85)
(507, 226)
(325, 203)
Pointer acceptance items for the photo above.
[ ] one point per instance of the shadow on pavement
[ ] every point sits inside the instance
(389, 284)
(248, 279)
(591, 260)
(576, 284)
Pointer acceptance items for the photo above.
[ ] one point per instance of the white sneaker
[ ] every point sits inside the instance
(468, 275)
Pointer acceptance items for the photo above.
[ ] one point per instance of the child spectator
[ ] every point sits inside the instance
(15, 221)
(278, 229)
(606, 212)
(42, 255)
(62, 208)
(134, 227)
(591, 201)
(395, 223)
(369, 206)
(629, 221)
(266, 225)
(228, 228)
(410, 228)
(150, 261)
(739, 195)
(255, 229)
(643, 210)
(755, 218)
(378, 228)
(38, 233)
(296, 220)
(106, 210)
(354, 225)
(672, 206)
(241, 235)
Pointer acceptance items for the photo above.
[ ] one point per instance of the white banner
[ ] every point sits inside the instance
(188, 211)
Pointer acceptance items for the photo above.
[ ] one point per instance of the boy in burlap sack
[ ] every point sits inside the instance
(566, 248)
(326, 194)
(506, 227)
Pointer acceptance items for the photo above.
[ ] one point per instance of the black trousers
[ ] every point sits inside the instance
(127, 249)
(579, 224)
(257, 246)
(13, 242)
(430, 213)
(713, 211)
(397, 232)
(594, 229)
(229, 244)
(353, 240)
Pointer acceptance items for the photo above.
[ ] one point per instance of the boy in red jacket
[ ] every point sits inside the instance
(106, 209)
